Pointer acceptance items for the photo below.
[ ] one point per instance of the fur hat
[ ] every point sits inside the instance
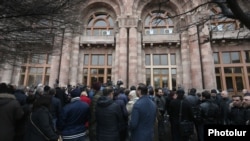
(75, 93)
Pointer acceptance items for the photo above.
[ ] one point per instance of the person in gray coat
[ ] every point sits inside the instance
(143, 116)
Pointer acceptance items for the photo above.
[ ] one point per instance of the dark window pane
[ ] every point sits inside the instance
(218, 82)
(101, 79)
(229, 83)
(247, 56)
(109, 71)
(239, 83)
(228, 70)
(173, 82)
(100, 71)
(217, 70)
(23, 69)
(237, 70)
(248, 69)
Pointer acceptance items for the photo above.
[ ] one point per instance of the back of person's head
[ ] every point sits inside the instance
(39, 90)
(205, 94)
(3, 88)
(133, 88)
(75, 93)
(132, 95)
(46, 88)
(192, 91)
(30, 99)
(43, 100)
(143, 88)
(180, 93)
(127, 91)
(52, 91)
(11, 89)
(151, 91)
(107, 91)
(96, 86)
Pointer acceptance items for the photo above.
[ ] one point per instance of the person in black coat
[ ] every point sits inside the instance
(174, 115)
(208, 113)
(108, 117)
(40, 125)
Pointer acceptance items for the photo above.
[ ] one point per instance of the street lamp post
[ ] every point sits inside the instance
(60, 59)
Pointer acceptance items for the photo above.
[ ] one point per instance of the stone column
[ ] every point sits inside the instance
(133, 57)
(185, 60)
(195, 60)
(80, 68)
(54, 67)
(74, 61)
(121, 56)
(207, 59)
(65, 62)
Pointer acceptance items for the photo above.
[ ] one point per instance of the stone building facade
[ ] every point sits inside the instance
(173, 43)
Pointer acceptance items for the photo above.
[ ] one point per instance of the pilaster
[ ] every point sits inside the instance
(74, 61)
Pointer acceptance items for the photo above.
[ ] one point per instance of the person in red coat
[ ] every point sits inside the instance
(84, 97)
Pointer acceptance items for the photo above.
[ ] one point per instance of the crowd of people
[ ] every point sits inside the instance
(105, 112)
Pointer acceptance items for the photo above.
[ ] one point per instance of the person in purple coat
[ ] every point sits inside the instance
(143, 116)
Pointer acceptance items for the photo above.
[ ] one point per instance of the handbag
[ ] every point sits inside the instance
(38, 128)
(186, 127)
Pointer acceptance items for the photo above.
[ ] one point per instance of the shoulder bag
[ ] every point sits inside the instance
(186, 127)
(38, 128)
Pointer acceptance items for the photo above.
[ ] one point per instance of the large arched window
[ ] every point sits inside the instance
(220, 23)
(157, 22)
(100, 25)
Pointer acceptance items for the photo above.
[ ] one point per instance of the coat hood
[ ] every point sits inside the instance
(104, 101)
(6, 98)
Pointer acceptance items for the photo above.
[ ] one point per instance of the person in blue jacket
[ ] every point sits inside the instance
(72, 119)
(143, 116)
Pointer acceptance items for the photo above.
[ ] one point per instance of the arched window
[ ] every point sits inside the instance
(100, 25)
(157, 22)
(220, 23)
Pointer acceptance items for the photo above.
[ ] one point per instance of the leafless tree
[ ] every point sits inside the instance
(29, 26)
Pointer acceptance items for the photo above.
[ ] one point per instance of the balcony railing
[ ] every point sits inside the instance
(163, 38)
(97, 40)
